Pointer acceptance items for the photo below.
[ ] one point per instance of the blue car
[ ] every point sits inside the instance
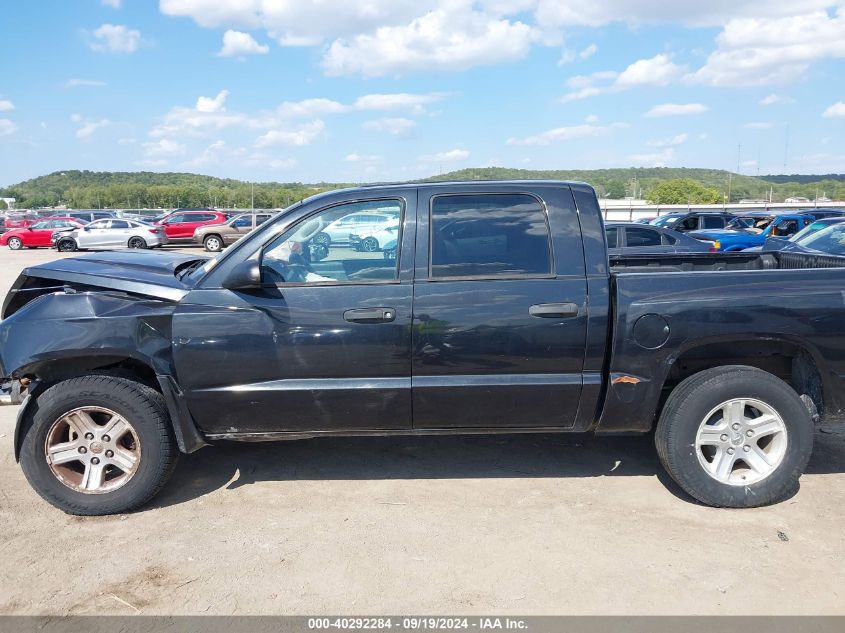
(752, 230)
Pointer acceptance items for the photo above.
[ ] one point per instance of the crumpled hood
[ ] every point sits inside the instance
(149, 273)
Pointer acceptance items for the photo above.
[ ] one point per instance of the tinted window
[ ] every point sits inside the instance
(119, 224)
(244, 222)
(669, 240)
(713, 222)
(261, 219)
(641, 237)
(176, 219)
(202, 217)
(688, 224)
(489, 235)
(612, 237)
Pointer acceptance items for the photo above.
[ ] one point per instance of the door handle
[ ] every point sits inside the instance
(554, 310)
(370, 315)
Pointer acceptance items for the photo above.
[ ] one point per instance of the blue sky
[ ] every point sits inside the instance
(339, 90)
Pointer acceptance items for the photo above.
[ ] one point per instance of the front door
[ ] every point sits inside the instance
(94, 235)
(500, 309)
(324, 345)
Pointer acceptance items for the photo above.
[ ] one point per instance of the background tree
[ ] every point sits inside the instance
(684, 191)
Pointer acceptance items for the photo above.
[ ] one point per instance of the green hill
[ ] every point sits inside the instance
(89, 189)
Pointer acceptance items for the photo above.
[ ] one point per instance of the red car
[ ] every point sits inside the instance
(180, 225)
(20, 220)
(38, 234)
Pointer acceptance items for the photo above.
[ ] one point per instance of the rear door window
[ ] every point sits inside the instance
(489, 235)
(641, 237)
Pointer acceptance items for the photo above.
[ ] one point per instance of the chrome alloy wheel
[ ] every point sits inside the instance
(92, 450)
(741, 441)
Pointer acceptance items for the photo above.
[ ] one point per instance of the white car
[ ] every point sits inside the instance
(113, 233)
(360, 223)
(375, 240)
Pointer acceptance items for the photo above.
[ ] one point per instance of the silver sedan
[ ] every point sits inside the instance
(112, 233)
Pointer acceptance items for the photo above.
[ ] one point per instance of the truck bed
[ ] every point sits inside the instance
(691, 262)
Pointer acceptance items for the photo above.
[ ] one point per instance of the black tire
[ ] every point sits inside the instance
(323, 239)
(67, 245)
(213, 243)
(136, 242)
(687, 407)
(369, 245)
(15, 243)
(141, 406)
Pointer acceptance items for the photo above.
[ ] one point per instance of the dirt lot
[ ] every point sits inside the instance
(505, 525)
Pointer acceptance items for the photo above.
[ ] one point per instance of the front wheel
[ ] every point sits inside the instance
(735, 437)
(137, 242)
(98, 445)
(15, 243)
(67, 246)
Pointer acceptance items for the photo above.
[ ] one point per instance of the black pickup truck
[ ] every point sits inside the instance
(483, 307)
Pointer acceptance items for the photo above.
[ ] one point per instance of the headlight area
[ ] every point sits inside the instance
(13, 390)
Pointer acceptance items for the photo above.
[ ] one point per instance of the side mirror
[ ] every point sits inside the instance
(244, 276)
(85, 228)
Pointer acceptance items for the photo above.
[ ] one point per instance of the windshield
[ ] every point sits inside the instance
(748, 223)
(665, 220)
(809, 230)
(830, 240)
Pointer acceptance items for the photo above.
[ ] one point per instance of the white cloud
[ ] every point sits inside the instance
(774, 99)
(87, 127)
(656, 159)
(676, 109)
(836, 111)
(455, 36)
(565, 134)
(361, 158)
(556, 13)
(213, 104)
(592, 118)
(769, 50)
(298, 136)
(114, 38)
(7, 127)
(211, 155)
(390, 125)
(240, 44)
(395, 101)
(759, 125)
(589, 51)
(81, 83)
(453, 155)
(659, 70)
(114, 4)
(6, 105)
(164, 147)
(679, 139)
(283, 163)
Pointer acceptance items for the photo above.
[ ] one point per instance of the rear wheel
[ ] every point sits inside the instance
(213, 243)
(369, 245)
(137, 242)
(735, 437)
(98, 445)
(67, 245)
(15, 243)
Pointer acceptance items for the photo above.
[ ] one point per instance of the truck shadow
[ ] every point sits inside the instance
(232, 465)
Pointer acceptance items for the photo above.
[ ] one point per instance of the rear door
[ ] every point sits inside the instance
(500, 308)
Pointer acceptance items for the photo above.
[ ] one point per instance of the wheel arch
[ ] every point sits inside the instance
(794, 361)
(45, 374)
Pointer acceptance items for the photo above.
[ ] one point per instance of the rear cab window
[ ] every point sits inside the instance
(489, 236)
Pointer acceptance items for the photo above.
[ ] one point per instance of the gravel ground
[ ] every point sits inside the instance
(530, 524)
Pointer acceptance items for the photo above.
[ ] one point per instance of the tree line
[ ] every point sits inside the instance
(91, 190)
